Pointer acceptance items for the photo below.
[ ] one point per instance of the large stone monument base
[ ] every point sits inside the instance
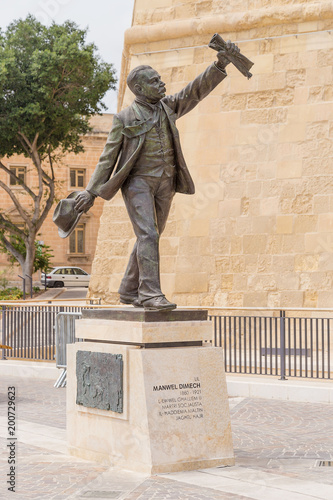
(147, 392)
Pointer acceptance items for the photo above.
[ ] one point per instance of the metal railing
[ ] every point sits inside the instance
(295, 346)
(64, 335)
(282, 343)
(30, 330)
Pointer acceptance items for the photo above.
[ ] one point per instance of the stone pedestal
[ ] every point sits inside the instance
(165, 387)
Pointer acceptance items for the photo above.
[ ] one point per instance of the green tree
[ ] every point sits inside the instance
(51, 82)
(43, 253)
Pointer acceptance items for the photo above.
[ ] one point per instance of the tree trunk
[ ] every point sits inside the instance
(28, 266)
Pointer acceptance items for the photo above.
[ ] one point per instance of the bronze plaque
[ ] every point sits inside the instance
(99, 380)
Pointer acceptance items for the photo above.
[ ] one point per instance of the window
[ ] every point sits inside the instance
(77, 177)
(76, 240)
(66, 270)
(80, 272)
(69, 271)
(20, 172)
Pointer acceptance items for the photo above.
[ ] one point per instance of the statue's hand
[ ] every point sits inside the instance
(84, 201)
(230, 50)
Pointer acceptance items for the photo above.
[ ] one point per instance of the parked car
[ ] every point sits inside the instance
(65, 276)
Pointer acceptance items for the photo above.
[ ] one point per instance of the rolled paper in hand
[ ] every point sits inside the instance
(242, 63)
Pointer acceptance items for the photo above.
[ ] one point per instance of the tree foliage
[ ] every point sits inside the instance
(43, 253)
(51, 82)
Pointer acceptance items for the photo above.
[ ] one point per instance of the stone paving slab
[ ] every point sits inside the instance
(46, 475)
(43, 436)
(163, 488)
(284, 437)
(37, 400)
(256, 485)
(277, 446)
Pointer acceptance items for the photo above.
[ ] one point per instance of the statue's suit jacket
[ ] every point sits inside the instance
(129, 130)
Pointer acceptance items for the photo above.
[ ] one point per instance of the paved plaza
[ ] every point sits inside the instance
(279, 448)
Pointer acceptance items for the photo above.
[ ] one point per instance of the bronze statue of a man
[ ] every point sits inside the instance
(144, 155)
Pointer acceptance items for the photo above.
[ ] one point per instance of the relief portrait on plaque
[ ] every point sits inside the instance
(143, 158)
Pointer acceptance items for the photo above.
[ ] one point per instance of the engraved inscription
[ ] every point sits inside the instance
(182, 401)
(99, 380)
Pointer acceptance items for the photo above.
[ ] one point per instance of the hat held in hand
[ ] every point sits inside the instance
(65, 216)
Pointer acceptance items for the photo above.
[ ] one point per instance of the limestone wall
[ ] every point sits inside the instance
(259, 230)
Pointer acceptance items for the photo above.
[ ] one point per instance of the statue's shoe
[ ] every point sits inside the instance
(127, 299)
(158, 304)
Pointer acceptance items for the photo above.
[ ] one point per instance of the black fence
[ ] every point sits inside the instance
(262, 345)
(268, 345)
(29, 330)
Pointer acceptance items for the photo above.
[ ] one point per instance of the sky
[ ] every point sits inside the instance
(106, 20)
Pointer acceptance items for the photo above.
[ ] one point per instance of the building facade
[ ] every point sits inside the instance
(259, 230)
(72, 174)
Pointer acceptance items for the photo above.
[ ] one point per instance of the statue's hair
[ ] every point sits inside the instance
(133, 76)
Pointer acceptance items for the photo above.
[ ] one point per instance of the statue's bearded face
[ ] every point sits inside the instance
(150, 86)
